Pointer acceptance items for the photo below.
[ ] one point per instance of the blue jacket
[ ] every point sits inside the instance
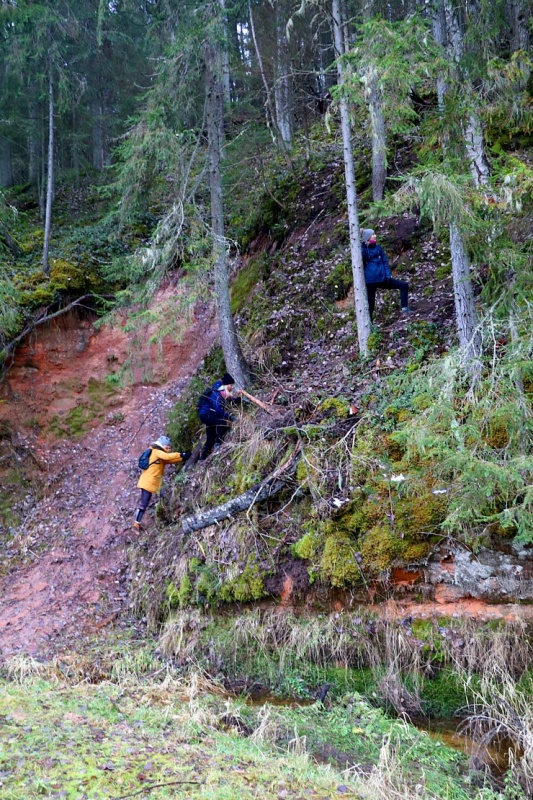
(375, 263)
(213, 405)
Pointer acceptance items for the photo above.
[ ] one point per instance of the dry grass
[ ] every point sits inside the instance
(22, 668)
(387, 780)
(491, 652)
(502, 718)
(268, 728)
(181, 634)
(355, 639)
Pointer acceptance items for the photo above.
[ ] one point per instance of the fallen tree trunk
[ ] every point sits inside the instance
(262, 491)
(195, 522)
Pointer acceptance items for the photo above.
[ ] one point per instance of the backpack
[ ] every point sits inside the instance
(144, 459)
(204, 399)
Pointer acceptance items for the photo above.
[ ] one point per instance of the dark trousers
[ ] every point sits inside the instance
(215, 429)
(143, 505)
(389, 283)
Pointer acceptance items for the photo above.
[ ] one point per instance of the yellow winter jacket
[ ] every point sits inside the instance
(152, 478)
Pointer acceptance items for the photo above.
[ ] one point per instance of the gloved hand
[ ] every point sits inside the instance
(232, 417)
(185, 455)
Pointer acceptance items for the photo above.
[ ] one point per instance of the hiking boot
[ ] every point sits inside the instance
(407, 310)
(137, 526)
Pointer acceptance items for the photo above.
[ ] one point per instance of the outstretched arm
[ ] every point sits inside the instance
(169, 458)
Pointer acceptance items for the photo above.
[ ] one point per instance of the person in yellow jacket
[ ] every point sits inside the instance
(151, 478)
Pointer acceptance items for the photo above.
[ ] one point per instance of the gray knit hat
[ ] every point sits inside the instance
(163, 441)
(367, 233)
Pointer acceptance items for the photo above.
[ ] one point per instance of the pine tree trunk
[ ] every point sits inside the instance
(475, 151)
(362, 314)
(378, 134)
(518, 376)
(473, 129)
(98, 135)
(282, 86)
(231, 348)
(465, 307)
(74, 151)
(519, 15)
(345, 27)
(271, 117)
(50, 175)
(41, 187)
(224, 57)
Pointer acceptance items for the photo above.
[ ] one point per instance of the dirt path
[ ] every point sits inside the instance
(75, 579)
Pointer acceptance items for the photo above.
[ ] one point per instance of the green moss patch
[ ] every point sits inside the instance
(80, 419)
(244, 282)
(340, 281)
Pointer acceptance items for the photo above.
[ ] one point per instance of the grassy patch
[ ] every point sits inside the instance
(101, 742)
(174, 739)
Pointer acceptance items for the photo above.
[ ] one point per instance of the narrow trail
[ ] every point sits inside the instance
(74, 579)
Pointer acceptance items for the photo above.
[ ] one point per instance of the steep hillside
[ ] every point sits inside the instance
(381, 547)
(71, 439)
(364, 514)
(359, 518)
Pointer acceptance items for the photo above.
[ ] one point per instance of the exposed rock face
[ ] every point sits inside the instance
(488, 584)
(58, 366)
(496, 577)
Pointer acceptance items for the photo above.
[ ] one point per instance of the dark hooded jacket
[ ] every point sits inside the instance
(375, 263)
(212, 407)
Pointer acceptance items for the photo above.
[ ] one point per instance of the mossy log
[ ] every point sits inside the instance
(269, 487)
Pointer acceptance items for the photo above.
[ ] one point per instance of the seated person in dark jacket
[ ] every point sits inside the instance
(212, 412)
(377, 272)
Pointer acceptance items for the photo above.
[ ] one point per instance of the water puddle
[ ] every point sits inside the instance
(448, 730)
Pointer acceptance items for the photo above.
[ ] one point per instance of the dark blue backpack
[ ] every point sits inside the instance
(144, 459)
(204, 401)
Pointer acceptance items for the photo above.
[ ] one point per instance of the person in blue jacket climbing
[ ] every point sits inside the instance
(378, 274)
(214, 414)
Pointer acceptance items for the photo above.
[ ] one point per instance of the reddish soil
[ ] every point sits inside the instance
(68, 569)
(464, 607)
